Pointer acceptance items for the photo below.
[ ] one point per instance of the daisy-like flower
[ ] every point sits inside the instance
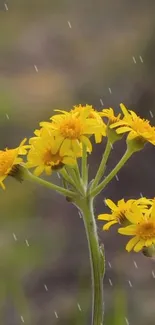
(93, 114)
(45, 154)
(138, 128)
(72, 130)
(9, 158)
(142, 228)
(119, 211)
(110, 115)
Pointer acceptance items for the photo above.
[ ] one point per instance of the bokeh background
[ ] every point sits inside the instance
(55, 54)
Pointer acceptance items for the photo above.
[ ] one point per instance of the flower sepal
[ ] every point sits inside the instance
(135, 144)
(149, 251)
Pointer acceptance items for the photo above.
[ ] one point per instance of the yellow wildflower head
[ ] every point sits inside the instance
(95, 115)
(142, 228)
(138, 128)
(119, 211)
(72, 130)
(45, 154)
(109, 114)
(8, 159)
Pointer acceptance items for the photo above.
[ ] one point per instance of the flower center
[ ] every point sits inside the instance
(142, 125)
(146, 230)
(50, 159)
(71, 128)
(6, 160)
(121, 217)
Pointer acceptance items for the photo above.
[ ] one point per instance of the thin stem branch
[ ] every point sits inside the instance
(102, 165)
(112, 174)
(84, 166)
(49, 185)
(97, 259)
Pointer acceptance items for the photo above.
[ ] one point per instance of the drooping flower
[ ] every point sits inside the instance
(142, 228)
(45, 154)
(72, 130)
(119, 211)
(110, 115)
(137, 127)
(9, 158)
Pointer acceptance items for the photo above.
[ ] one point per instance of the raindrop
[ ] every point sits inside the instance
(14, 236)
(22, 319)
(110, 265)
(127, 322)
(141, 194)
(134, 60)
(151, 114)
(58, 175)
(6, 6)
(117, 178)
(130, 284)
(80, 214)
(153, 274)
(7, 116)
(36, 68)
(56, 315)
(27, 243)
(110, 91)
(79, 307)
(69, 24)
(111, 146)
(135, 264)
(141, 59)
(110, 282)
(45, 286)
(101, 101)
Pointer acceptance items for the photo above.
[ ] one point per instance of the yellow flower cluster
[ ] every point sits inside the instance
(61, 140)
(136, 218)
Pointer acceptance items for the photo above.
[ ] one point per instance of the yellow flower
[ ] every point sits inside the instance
(119, 211)
(142, 228)
(45, 154)
(72, 130)
(8, 159)
(93, 114)
(109, 114)
(137, 127)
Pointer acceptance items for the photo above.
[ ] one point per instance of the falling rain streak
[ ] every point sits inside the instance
(69, 24)
(36, 68)
(22, 319)
(56, 315)
(117, 178)
(6, 6)
(127, 322)
(45, 286)
(110, 282)
(151, 114)
(27, 243)
(110, 265)
(134, 60)
(153, 274)
(110, 91)
(14, 236)
(130, 284)
(79, 307)
(135, 264)
(101, 101)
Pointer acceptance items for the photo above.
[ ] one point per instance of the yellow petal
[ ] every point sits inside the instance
(38, 170)
(132, 242)
(139, 245)
(69, 161)
(124, 110)
(109, 224)
(123, 129)
(66, 145)
(111, 204)
(128, 231)
(87, 142)
(104, 217)
(76, 147)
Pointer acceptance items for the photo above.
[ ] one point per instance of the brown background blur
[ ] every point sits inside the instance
(55, 54)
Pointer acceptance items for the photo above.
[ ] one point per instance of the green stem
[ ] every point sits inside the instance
(84, 166)
(51, 186)
(102, 166)
(113, 173)
(96, 259)
(75, 175)
(67, 177)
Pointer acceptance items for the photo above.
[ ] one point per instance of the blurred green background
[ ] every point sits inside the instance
(55, 54)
